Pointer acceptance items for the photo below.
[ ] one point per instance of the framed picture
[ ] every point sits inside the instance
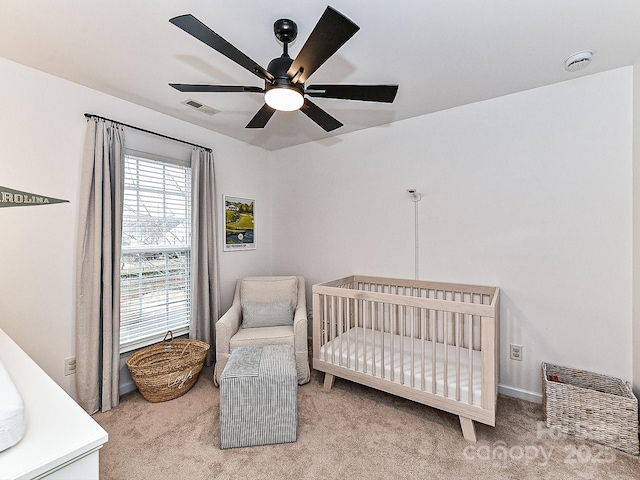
(239, 223)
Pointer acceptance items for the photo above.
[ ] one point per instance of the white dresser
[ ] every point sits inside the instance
(60, 441)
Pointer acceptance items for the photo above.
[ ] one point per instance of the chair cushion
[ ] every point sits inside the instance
(267, 314)
(269, 289)
(262, 336)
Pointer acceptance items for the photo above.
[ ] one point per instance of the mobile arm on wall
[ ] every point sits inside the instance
(415, 198)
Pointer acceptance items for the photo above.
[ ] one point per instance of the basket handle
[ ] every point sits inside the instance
(167, 344)
(167, 347)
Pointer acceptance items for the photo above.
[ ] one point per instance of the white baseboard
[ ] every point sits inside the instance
(126, 387)
(520, 393)
(126, 382)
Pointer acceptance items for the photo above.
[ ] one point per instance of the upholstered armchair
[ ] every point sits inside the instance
(265, 311)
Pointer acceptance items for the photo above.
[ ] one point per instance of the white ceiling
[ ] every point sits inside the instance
(442, 53)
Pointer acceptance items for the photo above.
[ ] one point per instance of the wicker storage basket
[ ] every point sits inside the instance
(168, 369)
(591, 406)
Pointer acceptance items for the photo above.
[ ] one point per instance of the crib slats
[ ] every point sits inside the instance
(430, 338)
(458, 333)
(325, 328)
(364, 335)
(434, 350)
(392, 326)
(333, 332)
(317, 326)
(340, 327)
(374, 329)
(470, 360)
(423, 346)
(356, 307)
(445, 346)
(383, 360)
(349, 302)
(412, 336)
(401, 317)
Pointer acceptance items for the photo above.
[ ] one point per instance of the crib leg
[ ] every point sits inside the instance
(328, 381)
(468, 429)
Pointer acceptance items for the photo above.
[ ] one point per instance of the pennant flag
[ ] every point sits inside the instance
(16, 198)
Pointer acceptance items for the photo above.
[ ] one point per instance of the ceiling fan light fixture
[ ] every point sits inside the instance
(284, 98)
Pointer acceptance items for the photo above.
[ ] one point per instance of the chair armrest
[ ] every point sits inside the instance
(226, 327)
(300, 324)
(299, 315)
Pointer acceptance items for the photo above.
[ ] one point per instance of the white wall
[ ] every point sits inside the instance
(41, 139)
(530, 192)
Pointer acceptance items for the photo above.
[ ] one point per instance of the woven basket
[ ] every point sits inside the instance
(168, 369)
(591, 406)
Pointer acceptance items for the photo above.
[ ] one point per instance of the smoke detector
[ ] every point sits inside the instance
(578, 61)
(201, 107)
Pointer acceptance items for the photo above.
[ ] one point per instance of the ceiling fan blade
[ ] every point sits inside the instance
(187, 87)
(199, 30)
(319, 116)
(330, 33)
(366, 93)
(261, 118)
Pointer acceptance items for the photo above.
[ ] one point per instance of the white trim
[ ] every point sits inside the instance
(139, 343)
(520, 393)
(158, 158)
(157, 249)
(126, 387)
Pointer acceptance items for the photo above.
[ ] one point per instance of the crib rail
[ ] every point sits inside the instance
(434, 338)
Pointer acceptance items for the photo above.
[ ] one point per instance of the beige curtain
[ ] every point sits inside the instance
(205, 277)
(98, 267)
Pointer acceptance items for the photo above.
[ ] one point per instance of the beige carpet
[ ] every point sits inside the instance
(351, 432)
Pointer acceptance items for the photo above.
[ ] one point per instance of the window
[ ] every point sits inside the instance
(155, 290)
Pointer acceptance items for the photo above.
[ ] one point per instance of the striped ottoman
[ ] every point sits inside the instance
(259, 397)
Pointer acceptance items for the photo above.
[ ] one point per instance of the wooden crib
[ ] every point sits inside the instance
(433, 343)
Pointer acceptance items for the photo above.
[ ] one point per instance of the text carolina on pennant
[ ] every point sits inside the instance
(15, 198)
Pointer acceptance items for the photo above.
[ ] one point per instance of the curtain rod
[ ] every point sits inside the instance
(91, 115)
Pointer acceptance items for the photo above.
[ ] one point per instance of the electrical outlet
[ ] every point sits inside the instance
(515, 352)
(70, 366)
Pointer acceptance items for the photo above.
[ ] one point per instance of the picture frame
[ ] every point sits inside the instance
(239, 223)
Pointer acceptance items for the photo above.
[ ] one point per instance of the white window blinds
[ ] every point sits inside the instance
(155, 271)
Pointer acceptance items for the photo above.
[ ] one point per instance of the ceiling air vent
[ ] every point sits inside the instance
(200, 107)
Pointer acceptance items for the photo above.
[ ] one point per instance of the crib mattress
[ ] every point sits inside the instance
(364, 350)
(11, 411)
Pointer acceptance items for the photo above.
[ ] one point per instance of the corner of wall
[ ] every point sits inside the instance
(635, 293)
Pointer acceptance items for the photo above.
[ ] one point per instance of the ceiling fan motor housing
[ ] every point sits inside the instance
(278, 67)
(285, 30)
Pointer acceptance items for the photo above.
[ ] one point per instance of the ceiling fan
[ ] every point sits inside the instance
(284, 77)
